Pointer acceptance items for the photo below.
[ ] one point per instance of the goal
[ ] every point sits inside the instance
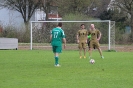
(40, 31)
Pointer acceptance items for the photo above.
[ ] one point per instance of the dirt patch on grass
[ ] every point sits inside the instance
(119, 48)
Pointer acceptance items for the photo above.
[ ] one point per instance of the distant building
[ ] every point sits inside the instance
(112, 6)
(40, 15)
(12, 17)
(54, 17)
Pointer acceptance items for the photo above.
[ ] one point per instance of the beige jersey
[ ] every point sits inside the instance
(94, 34)
(82, 35)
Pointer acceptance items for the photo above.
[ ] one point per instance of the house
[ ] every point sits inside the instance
(54, 17)
(11, 17)
(112, 6)
(41, 15)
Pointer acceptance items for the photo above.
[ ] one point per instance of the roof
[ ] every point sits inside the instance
(54, 16)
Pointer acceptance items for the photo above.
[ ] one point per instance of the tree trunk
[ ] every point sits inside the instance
(26, 25)
(27, 32)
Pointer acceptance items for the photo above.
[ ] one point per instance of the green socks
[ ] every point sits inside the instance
(56, 60)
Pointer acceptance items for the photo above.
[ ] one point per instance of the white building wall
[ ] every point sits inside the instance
(40, 15)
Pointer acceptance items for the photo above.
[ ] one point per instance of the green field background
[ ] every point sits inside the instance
(35, 69)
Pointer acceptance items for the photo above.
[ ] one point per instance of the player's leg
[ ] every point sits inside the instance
(80, 50)
(84, 48)
(56, 59)
(55, 54)
(88, 43)
(88, 46)
(58, 50)
(90, 53)
(84, 52)
(90, 49)
(99, 49)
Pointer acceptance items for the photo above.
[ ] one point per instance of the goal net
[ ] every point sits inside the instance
(40, 32)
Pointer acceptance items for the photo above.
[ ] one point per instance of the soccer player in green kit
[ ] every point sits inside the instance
(56, 37)
(94, 39)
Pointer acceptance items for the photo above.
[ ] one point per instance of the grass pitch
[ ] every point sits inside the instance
(35, 69)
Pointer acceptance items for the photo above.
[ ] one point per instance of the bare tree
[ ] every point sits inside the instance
(25, 7)
(127, 7)
(46, 6)
(97, 7)
(88, 7)
(72, 6)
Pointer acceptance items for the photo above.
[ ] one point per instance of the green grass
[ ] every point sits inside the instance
(35, 69)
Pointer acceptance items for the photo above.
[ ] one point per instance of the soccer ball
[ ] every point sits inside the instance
(92, 61)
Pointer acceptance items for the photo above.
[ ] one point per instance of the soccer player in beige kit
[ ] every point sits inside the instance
(94, 40)
(82, 40)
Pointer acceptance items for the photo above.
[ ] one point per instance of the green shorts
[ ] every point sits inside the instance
(57, 49)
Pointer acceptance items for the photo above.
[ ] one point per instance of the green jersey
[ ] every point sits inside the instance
(57, 35)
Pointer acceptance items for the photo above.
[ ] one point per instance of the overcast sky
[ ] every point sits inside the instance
(10, 17)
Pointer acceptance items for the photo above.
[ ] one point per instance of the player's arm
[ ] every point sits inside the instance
(64, 39)
(77, 37)
(86, 36)
(99, 35)
(50, 36)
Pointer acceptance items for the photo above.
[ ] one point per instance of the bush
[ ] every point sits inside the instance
(13, 32)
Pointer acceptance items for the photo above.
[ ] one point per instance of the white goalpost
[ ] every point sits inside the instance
(106, 27)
